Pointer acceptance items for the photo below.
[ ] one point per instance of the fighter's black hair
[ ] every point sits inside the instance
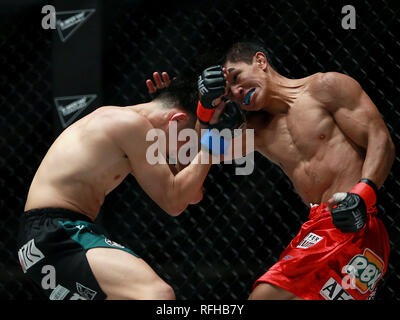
(181, 93)
(244, 51)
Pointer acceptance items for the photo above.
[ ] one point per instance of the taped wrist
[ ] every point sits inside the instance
(214, 142)
(204, 114)
(367, 190)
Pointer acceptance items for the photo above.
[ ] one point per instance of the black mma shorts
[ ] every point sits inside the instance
(52, 246)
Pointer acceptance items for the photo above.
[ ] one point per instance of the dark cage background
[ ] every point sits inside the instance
(217, 249)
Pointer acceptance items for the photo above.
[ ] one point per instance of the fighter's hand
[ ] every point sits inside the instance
(349, 209)
(212, 86)
(227, 115)
(220, 107)
(160, 82)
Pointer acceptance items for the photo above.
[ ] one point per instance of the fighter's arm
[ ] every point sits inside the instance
(173, 193)
(359, 119)
(239, 146)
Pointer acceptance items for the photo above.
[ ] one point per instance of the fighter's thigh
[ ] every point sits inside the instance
(123, 276)
(266, 291)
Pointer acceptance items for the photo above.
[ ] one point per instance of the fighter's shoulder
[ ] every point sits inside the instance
(119, 121)
(331, 86)
(119, 115)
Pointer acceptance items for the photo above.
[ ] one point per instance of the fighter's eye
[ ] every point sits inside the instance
(235, 77)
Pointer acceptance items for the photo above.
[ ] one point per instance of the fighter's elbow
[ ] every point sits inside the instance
(391, 145)
(382, 140)
(175, 210)
(387, 142)
(197, 197)
(174, 206)
(392, 149)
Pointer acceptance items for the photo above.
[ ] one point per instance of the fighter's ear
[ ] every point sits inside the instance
(179, 116)
(261, 60)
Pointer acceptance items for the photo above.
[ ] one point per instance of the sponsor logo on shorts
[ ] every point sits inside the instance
(332, 290)
(29, 255)
(372, 295)
(59, 293)
(113, 243)
(309, 240)
(364, 271)
(76, 296)
(85, 292)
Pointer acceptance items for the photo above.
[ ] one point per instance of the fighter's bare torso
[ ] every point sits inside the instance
(307, 144)
(95, 154)
(82, 166)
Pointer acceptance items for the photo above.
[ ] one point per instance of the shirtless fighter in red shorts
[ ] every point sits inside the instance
(328, 137)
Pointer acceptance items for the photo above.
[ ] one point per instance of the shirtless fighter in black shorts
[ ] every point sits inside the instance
(60, 247)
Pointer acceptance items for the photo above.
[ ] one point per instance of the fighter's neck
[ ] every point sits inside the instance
(154, 112)
(282, 92)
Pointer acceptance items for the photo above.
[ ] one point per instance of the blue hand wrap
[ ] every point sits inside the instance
(215, 143)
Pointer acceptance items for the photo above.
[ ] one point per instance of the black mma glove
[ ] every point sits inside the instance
(232, 117)
(216, 138)
(211, 84)
(350, 215)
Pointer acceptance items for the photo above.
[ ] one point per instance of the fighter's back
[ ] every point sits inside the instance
(82, 166)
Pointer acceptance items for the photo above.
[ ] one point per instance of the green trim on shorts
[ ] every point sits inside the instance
(89, 236)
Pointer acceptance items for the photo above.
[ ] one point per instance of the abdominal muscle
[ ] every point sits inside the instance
(307, 144)
(334, 168)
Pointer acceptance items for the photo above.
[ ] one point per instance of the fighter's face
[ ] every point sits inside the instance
(246, 84)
